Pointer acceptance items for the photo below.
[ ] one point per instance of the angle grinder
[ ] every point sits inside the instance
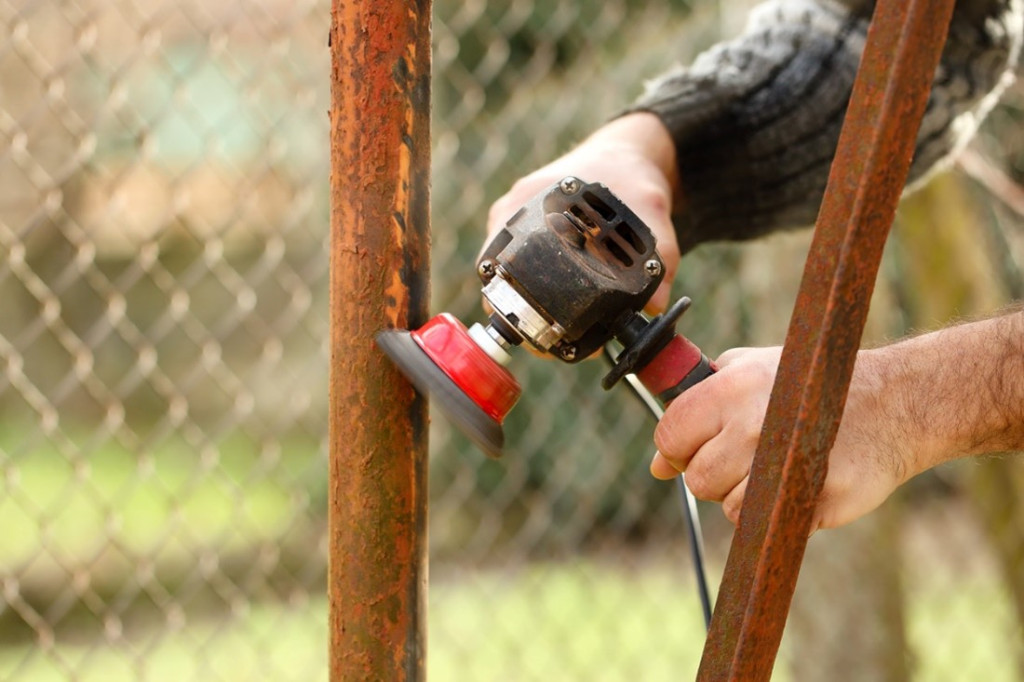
(570, 272)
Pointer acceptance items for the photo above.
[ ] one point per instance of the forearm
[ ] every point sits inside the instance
(956, 392)
(911, 406)
(755, 121)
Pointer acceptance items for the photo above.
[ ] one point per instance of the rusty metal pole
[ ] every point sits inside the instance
(872, 161)
(379, 212)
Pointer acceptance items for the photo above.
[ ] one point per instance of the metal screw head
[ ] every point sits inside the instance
(569, 185)
(653, 267)
(568, 353)
(486, 269)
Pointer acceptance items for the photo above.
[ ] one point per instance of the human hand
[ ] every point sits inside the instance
(711, 432)
(634, 156)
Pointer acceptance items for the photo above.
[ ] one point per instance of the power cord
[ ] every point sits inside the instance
(689, 503)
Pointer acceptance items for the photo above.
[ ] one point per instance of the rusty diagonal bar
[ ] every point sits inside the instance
(868, 174)
(380, 237)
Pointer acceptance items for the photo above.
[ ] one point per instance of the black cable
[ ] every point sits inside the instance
(696, 548)
(689, 503)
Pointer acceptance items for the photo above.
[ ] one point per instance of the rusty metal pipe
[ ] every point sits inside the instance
(868, 174)
(379, 246)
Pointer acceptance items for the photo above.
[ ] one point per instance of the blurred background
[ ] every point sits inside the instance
(163, 336)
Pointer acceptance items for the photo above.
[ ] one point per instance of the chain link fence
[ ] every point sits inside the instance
(163, 329)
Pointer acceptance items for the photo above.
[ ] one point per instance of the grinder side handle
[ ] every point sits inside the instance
(679, 366)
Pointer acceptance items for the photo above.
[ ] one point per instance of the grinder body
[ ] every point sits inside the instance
(568, 273)
(576, 257)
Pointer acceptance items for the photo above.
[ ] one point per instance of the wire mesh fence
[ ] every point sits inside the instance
(163, 328)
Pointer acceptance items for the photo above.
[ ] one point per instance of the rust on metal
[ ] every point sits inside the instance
(379, 244)
(870, 168)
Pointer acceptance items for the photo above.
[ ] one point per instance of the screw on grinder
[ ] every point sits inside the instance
(567, 274)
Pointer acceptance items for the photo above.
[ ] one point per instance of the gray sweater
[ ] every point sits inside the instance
(756, 120)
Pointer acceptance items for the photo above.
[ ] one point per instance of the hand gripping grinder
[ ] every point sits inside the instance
(570, 272)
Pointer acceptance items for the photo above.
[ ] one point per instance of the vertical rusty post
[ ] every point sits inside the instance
(379, 212)
(872, 161)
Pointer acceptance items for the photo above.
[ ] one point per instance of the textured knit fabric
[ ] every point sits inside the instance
(756, 120)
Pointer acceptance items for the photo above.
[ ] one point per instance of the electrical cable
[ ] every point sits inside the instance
(689, 503)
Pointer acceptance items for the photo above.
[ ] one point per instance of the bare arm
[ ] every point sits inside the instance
(912, 405)
(960, 389)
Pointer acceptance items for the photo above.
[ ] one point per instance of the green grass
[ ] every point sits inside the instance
(61, 506)
(963, 629)
(267, 643)
(583, 619)
(578, 620)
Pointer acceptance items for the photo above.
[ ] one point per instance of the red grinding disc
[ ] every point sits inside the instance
(443, 361)
(447, 342)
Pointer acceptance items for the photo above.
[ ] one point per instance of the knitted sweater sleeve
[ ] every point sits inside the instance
(756, 120)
